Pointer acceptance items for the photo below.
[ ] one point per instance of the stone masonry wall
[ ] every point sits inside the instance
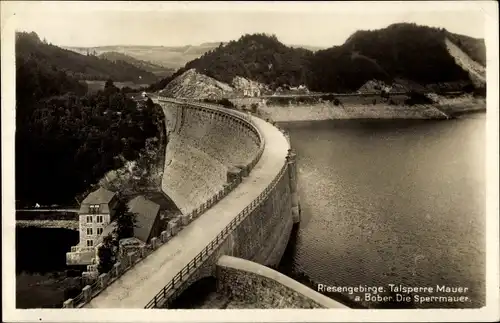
(203, 144)
(262, 236)
(249, 282)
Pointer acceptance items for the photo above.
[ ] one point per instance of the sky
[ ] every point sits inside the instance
(322, 24)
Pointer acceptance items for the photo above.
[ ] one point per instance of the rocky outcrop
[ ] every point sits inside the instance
(379, 86)
(477, 72)
(248, 87)
(194, 85)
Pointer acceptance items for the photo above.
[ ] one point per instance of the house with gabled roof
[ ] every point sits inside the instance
(97, 212)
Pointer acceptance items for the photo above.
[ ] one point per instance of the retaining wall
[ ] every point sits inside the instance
(259, 233)
(249, 282)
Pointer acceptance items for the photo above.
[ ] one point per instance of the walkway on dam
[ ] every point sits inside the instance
(142, 282)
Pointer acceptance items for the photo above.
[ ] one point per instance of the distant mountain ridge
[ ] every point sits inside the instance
(403, 52)
(144, 65)
(173, 57)
(83, 67)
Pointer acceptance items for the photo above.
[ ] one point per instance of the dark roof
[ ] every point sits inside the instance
(99, 196)
(165, 203)
(146, 213)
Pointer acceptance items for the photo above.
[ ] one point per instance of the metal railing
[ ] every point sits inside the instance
(128, 261)
(169, 289)
(82, 249)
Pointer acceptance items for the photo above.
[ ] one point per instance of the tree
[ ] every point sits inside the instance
(106, 254)
(125, 220)
(150, 104)
(109, 84)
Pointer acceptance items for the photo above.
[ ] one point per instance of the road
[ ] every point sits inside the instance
(142, 282)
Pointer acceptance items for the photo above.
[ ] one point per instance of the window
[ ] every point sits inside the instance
(99, 230)
(94, 208)
(99, 219)
(90, 243)
(89, 218)
(89, 231)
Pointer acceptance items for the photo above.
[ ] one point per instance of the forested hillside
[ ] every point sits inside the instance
(403, 51)
(144, 65)
(258, 57)
(67, 139)
(82, 67)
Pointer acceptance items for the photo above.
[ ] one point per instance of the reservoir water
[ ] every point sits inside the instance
(391, 202)
(42, 278)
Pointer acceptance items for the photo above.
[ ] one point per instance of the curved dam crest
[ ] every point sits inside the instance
(253, 221)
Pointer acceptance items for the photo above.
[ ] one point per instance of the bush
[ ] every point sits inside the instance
(480, 92)
(417, 98)
(106, 254)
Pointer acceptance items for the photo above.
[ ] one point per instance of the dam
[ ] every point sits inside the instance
(233, 177)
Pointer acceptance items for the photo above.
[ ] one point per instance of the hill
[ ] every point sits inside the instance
(144, 65)
(308, 47)
(403, 53)
(258, 57)
(66, 138)
(82, 67)
(171, 57)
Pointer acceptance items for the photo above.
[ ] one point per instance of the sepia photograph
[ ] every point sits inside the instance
(302, 161)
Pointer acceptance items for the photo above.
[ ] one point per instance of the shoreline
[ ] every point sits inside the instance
(379, 120)
(445, 110)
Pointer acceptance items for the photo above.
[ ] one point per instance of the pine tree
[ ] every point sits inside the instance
(125, 220)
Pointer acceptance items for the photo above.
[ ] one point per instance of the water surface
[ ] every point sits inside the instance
(392, 202)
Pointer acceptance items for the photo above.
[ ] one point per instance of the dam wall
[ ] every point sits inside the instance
(203, 146)
(261, 230)
(246, 281)
(259, 233)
